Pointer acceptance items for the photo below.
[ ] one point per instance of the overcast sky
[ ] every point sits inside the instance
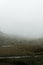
(22, 17)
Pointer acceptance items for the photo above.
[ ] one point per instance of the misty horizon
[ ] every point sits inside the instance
(23, 18)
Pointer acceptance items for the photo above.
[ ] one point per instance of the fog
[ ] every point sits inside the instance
(22, 17)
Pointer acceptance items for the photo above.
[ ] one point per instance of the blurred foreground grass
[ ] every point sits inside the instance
(32, 60)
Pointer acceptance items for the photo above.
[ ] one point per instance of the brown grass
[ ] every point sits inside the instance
(24, 49)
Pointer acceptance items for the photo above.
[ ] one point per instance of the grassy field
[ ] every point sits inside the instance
(21, 50)
(34, 53)
(10, 46)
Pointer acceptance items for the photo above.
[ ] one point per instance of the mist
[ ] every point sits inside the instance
(22, 17)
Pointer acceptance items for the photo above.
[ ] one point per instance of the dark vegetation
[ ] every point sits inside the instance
(13, 46)
(32, 60)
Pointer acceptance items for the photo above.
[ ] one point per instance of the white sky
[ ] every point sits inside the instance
(22, 17)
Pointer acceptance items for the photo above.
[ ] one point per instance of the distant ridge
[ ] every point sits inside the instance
(8, 39)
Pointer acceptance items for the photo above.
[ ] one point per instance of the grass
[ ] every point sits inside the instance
(32, 48)
(25, 61)
(35, 53)
(20, 50)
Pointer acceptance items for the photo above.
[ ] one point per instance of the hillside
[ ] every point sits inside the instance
(6, 39)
